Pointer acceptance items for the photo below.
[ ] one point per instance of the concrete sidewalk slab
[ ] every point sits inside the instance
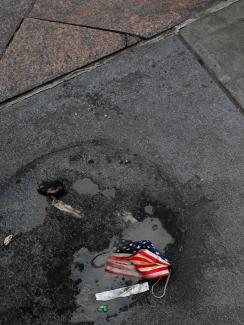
(219, 40)
(44, 50)
(140, 17)
(155, 107)
(11, 14)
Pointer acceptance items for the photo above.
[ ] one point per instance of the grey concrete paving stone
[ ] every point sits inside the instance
(219, 41)
(157, 107)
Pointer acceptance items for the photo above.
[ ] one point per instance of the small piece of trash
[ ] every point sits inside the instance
(127, 260)
(8, 239)
(122, 292)
(52, 189)
(66, 208)
(125, 162)
(103, 308)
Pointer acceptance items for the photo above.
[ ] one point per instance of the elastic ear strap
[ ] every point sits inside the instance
(93, 261)
(165, 287)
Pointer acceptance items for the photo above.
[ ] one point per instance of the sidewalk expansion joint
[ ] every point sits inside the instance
(87, 26)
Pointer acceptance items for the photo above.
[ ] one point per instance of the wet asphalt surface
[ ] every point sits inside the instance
(159, 141)
(55, 246)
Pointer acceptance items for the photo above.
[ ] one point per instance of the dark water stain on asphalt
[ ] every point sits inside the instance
(46, 275)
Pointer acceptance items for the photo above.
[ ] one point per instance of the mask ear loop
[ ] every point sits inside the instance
(165, 287)
(93, 261)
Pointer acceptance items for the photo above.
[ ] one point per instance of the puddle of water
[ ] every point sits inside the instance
(109, 193)
(151, 229)
(86, 186)
(96, 280)
(53, 239)
(128, 217)
(149, 209)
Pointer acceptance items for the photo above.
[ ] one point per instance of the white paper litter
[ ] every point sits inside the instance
(122, 292)
(66, 208)
(8, 239)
